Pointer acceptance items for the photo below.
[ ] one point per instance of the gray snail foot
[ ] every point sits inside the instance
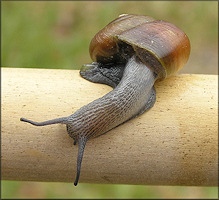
(109, 75)
(150, 103)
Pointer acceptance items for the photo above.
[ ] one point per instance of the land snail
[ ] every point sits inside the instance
(129, 54)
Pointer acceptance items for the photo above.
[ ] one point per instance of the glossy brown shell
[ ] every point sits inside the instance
(105, 42)
(157, 43)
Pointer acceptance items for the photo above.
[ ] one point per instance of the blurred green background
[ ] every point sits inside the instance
(57, 34)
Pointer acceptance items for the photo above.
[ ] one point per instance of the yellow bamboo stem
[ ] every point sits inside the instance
(174, 143)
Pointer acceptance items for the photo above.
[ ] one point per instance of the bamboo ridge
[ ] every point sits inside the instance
(174, 143)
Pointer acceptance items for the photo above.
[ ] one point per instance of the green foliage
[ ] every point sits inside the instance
(57, 34)
(13, 189)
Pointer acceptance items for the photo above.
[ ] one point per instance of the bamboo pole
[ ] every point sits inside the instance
(175, 143)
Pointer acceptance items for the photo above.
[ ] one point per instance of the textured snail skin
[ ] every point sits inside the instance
(129, 99)
(129, 54)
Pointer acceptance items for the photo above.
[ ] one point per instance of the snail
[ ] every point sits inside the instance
(129, 54)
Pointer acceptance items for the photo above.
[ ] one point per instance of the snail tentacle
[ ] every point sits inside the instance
(62, 120)
(81, 145)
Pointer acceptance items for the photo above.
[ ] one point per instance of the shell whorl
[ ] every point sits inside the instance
(159, 44)
(104, 45)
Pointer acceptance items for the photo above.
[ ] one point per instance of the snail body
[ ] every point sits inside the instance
(129, 54)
